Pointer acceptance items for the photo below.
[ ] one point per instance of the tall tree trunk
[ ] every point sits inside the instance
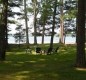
(3, 30)
(64, 37)
(35, 32)
(80, 57)
(26, 23)
(43, 32)
(61, 23)
(35, 14)
(5, 20)
(2, 42)
(53, 27)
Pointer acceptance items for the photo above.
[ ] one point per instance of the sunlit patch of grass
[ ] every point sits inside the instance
(33, 52)
(22, 73)
(81, 69)
(42, 59)
(7, 61)
(32, 61)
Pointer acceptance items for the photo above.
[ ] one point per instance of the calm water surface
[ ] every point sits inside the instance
(68, 40)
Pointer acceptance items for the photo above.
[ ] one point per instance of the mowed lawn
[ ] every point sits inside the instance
(58, 66)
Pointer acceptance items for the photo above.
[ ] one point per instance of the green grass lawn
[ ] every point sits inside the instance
(59, 66)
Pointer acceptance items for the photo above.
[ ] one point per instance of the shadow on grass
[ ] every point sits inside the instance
(41, 67)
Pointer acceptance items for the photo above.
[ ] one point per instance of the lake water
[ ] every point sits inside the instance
(68, 40)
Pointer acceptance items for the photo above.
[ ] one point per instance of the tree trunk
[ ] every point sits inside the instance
(61, 24)
(3, 30)
(43, 32)
(80, 57)
(53, 27)
(2, 42)
(35, 37)
(64, 37)
(6, 16)
(35, 14)
(26, 23)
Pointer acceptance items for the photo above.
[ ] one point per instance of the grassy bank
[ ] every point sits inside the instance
(59, 66)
